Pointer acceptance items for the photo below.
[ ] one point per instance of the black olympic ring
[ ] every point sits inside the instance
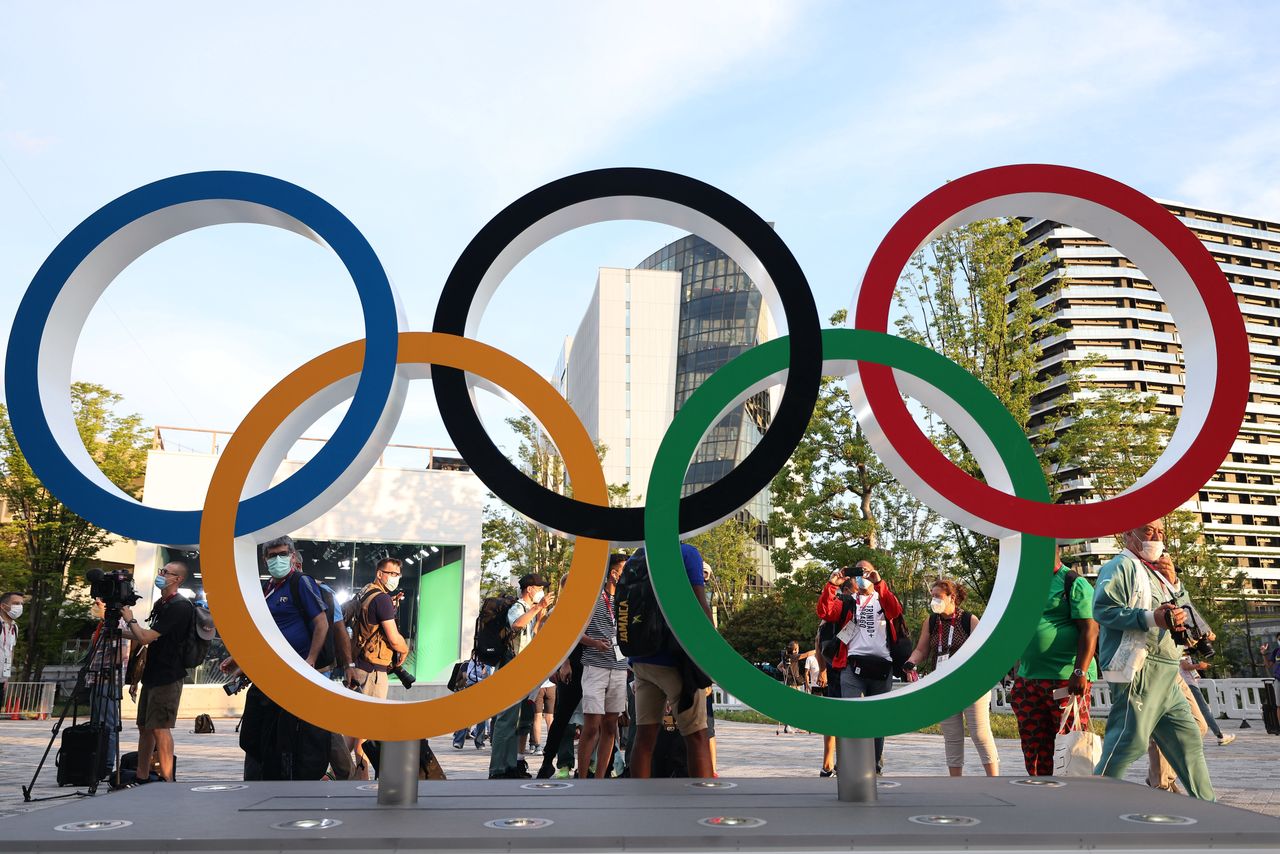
(628, 189)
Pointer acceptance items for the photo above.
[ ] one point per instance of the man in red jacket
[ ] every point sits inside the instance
(867, 631)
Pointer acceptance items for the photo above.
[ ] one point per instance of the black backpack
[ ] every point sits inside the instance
(493, 635)
(326, 657)
(195, 648)
(642, 629)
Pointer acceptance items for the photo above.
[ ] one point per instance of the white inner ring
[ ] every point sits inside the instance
(1161, 268)
(992, 467)
(86, 285)
(269, 459)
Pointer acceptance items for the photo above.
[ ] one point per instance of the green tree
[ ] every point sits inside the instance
(765, 624)
(55, 543)
(511, 545)
(727, 548)
(824, 499)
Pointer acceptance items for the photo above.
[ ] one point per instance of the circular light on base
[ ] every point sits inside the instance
(1041, 782)
(219, 787)
(88, 826)
(519, 823)
(547, 785)
(712, 784)
(945, 820)
(368, 787)
(731, 821)
(887, 784)
(1156, 818)
(307, 824)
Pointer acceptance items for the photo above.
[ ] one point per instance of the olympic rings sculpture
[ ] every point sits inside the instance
(240, 510)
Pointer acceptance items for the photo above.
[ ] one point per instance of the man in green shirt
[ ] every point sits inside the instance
(1057, 667)
(1137, 609)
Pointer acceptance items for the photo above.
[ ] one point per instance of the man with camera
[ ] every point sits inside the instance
(163, 671)
(278, 745)
(378, 641)
(1144, 621)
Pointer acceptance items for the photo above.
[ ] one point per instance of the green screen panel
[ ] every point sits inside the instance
(439, 622)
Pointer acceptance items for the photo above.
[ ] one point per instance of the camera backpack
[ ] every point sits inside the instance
(82, 757)
(493, 634)
(195, 648)
(642, 628)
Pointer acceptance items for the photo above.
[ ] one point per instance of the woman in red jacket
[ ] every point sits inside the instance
(867, 631)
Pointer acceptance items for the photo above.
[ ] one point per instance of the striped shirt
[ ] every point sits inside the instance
(602, 627)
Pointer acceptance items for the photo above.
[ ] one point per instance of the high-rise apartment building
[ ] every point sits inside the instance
(1108, 307)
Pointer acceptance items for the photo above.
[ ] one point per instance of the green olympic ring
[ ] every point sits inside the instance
(906, 709)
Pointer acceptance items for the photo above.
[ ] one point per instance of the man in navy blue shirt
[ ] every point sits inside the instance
(298, 609)
(659, 680)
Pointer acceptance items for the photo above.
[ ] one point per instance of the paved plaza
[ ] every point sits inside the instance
(1246, 773)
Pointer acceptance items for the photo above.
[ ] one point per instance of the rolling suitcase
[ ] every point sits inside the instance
(82, 757)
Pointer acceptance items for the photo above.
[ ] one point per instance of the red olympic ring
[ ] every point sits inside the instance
(947, 207)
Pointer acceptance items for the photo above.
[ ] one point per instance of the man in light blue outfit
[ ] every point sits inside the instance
(1136, 610)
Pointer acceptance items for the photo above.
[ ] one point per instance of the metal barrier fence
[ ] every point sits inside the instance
(1236, 699)
(27, 701)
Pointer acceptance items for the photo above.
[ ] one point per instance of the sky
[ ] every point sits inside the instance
(420, 122)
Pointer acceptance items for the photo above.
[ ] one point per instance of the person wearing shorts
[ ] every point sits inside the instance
(659, 679)
(544, 709)
(604, 681)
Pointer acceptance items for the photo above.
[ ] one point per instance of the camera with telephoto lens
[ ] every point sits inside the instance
(1191, 635)
(397, 667)
(114, 587)
(236, 685)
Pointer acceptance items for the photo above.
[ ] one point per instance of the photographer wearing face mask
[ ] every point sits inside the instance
(278, 745)
(163, 672)
(10, 611)
(376, 635)
(1139, 615)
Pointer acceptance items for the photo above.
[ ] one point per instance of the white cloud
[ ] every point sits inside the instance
(26, 141)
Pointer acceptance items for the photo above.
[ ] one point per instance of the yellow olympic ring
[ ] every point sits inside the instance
(302, 690)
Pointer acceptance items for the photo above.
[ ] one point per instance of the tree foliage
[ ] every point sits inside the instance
(511, 545)
(726, 547)
(55, 544)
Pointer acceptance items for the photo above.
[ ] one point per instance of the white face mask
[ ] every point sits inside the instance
(392, 582)
(537, 597)
(1151, 550)
(15, 611)
(279, 565)
(937, 605)
(864, 583)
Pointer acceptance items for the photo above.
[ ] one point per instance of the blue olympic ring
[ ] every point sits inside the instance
(38, 368)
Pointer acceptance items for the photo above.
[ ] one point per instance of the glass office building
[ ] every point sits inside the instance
(722, 314)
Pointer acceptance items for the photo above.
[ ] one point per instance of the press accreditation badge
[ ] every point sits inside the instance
(849, 631)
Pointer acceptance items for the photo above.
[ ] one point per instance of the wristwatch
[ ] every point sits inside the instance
(131, 623)
(1077, 672)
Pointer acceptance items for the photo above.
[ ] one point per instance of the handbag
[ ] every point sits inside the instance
(1076, 750)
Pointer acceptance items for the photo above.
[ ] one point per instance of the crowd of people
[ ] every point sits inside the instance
(608, 711)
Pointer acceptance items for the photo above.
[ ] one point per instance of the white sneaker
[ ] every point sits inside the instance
(1226, 739)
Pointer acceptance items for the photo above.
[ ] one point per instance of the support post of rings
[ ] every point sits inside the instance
(398, 774)
(856, 766)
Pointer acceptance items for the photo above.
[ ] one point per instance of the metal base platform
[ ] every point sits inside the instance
(926, 814)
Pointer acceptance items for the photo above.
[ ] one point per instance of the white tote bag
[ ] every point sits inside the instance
(1076, 750)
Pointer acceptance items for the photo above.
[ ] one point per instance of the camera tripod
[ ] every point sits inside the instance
(103, 674)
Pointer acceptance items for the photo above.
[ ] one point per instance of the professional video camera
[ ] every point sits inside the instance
(114, 587)
(1193, 635)
(397, 667)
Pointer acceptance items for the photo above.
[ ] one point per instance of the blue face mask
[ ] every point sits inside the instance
(161, 581)
(279, 565)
